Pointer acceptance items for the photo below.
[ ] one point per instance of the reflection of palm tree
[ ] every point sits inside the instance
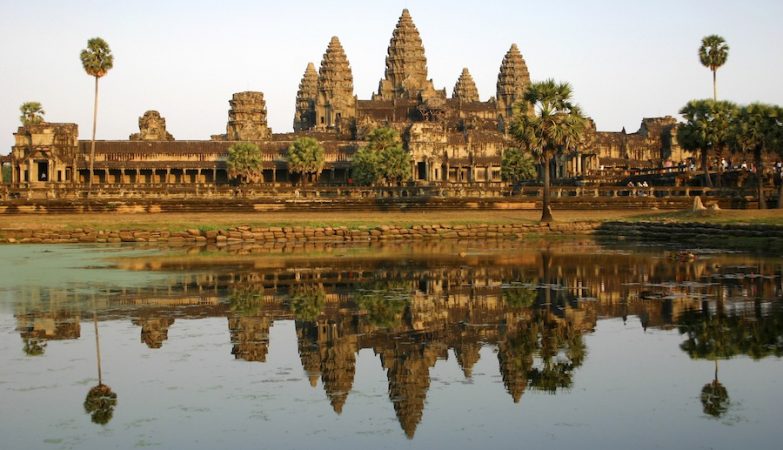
(715, 397)
(34, 346)
(307, 302)
(100, 401)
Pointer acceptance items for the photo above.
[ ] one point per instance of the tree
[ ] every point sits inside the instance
(556, 125)
(517, 165)
(713, 53)
(382, 160)
(306, 156)
(758, 129)
(707, 128)
(32, 113)
(245, 162)
(307, 302)
(97, 60)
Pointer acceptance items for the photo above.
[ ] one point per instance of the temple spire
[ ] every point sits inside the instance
(335, 102)
(513, 80)
(465, 89)
(406, 65)
(304, 118)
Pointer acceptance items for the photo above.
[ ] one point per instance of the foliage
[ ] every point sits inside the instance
(721, 336)
(758, 129)
(245, 162)
(384, 302)
(246, 302)
(97, 59)
(555, 126)
(519, 297)
(6, 174)
(34, 346)
(517, 165)
(100, 404)
(713, 54)
(706, 129)
(32, 113)
(713, 51)
(306, 156)
(382, 160)
(307, 302)
(714, 399)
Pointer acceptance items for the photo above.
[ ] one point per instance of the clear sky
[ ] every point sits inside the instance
(625, 59)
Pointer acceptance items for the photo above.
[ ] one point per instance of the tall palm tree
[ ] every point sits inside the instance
(97, 60)
(758, 130)
(556, 125)
(32, 113)
(713, 53)
(706, 129)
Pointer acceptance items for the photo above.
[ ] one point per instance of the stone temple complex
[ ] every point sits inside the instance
(451, 140)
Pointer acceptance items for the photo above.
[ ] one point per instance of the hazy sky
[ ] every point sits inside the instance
(625, 59)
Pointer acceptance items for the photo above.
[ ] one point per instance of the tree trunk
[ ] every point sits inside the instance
(760, 177)
(97, 345)
(706, 167)
(94, 128)
(715, 85)
(546, 213)
(780, 191)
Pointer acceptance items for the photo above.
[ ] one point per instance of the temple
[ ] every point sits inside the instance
(450, 140)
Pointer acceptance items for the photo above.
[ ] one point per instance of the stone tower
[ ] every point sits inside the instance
(304, 118)
(152, 127)
(335, 102)
(406, 65)
(513, 80)
(247, 117)
(465, 89)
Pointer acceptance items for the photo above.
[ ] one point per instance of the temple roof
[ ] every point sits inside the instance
(513, 77)
(465, 89)
(335, 78)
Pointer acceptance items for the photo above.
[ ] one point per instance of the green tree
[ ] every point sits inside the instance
(306, 156)
(32, 113)
(307, 302)
(100, 403)
(713, 53)
(555, 126)
(758, 129)
(382, 160)
(245, 162)
(97, 60)
(517, 165)
(707, 129)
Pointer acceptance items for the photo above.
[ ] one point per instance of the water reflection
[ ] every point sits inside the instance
(412, 306)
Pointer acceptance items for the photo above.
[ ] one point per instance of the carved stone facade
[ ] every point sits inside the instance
(247, 117)
(335, 105)
(406, 65)
(450, 140)
(152, 127)
(306, 96)
(513, 80)
(465, 89)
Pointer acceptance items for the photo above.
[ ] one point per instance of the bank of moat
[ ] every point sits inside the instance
(450, 139)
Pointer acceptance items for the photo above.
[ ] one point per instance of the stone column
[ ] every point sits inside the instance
(446, 175)
(168, 176)
(214, 176)
(274, 175)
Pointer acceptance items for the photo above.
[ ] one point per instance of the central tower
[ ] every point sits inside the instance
(406, 65)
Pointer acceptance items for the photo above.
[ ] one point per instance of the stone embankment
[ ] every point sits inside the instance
(697, 233)
(296, 234)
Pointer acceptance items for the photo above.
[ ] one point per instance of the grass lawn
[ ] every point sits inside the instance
(353, 220)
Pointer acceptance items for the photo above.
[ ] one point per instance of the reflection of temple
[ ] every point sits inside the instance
(533, 306)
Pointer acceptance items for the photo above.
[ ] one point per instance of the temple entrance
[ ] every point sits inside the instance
(43, 171)
(422, 170)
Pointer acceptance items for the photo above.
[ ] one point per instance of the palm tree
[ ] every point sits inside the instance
(101, 400)
(758, 130)
(707, 128)
(32, 113)
(555, 126)
(97, 60)
(713, 53)
(306, 156)
(714, 396)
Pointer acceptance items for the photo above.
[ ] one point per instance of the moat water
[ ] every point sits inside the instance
(571, 344)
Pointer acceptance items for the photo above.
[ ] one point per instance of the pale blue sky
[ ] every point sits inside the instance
(625, 60)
